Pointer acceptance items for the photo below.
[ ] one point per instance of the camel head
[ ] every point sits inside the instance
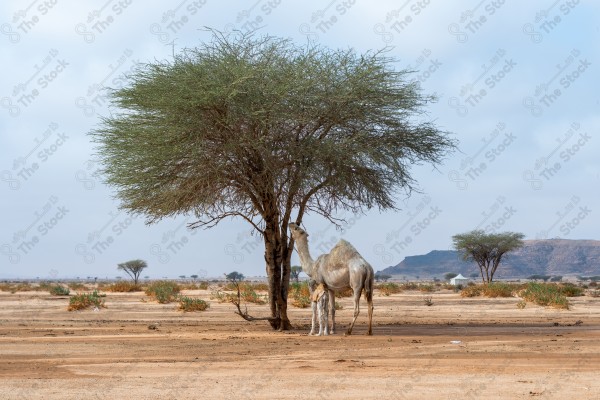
(297, 232)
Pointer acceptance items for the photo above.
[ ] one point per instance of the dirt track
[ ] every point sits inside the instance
(504, 352)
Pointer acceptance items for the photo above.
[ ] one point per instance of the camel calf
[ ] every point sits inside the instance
(320, 302)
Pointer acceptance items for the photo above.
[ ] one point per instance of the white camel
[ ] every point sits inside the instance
(320, 300)
(342, 268)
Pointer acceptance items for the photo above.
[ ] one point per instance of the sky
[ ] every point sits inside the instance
(516, 82)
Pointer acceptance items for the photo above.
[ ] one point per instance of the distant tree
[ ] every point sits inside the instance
(295, 273)
(451, 275)
(234, 276)
(379, 277)
(539, 277)
(487, 249)
(133, 268)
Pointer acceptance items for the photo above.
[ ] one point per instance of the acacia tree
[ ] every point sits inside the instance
(487, 249)
(295, 273)
(133, 268)
(265, 130)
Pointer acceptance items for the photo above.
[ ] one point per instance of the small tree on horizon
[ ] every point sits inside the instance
(450, 275)
(133, 268)
(487, 249)
(379, 277)
(234, 276)
(295, 273)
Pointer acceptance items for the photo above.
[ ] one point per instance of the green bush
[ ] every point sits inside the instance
(570, 290)
(545, 295)
(192, 304)
(163, 291)
(58, 290)
(85, 300)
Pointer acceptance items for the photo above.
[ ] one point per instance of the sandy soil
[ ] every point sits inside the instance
(455, 349)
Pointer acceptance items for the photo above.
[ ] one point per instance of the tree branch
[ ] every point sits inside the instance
(244, 314)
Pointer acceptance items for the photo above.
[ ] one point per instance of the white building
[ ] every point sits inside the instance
(459, 280)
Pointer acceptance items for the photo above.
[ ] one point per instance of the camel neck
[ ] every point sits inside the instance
(306, 260)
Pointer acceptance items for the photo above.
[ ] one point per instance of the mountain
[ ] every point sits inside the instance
(536, 257)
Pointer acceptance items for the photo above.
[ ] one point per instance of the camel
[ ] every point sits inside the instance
(320, 300)
(342, 268)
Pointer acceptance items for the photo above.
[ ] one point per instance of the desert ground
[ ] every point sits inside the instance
(457, 348)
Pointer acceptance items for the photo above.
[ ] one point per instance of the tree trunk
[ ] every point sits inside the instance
(278, 272)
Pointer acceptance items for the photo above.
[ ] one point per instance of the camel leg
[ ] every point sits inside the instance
(370, 311)
(357, 292)
(323, 314)
(314, 317)
(332, 311)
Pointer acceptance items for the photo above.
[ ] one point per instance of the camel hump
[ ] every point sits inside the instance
(343, 251)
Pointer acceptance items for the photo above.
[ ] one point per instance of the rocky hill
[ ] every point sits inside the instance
(537, 257)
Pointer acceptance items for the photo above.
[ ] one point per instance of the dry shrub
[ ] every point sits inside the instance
(499, 289)
(427, 288)
(260, 287)
(389, 288)
(77, 286)
(249, 295)
(22, 287)
(300, 294)
(123, 287)
(410, 286)
(471, 291)
(222, 297)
